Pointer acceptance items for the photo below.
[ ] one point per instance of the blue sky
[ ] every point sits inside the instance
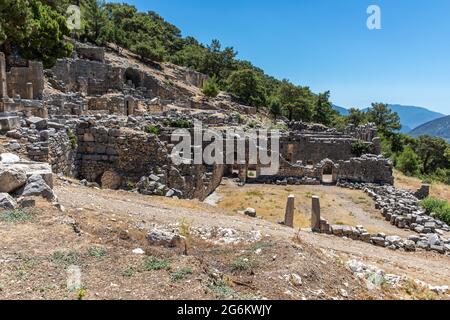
(325, 44)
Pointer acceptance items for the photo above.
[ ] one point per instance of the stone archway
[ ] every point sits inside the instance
(133, 76)
(328, 172)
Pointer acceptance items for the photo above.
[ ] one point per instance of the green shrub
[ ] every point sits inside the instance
(360, 147)
(97, 252)
(439, 209)
(72, 138)
(180, 274)
(408, 162)
(152, 263)
(179, 123)
(149, 50)
(241, 264)
(128, 272)
(14, 216)
(211, 88)
(64, 258)
(152, 129)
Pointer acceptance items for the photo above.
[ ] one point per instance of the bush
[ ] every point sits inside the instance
(439, 209)
(152, 129)
(211, 88)
(72, 138)
(15, 216)
(153, 263)
(151, 51)
(180, 123)
(241, 264)
(180, 274)
(359, 148)
(408, 162)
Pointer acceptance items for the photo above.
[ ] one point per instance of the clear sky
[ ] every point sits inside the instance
(325, 44)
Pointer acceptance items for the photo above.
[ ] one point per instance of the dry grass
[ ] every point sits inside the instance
(35, 257)
(438, 190)
(339, 206)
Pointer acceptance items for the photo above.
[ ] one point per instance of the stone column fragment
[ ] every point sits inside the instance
(290, 208)
(315, 216)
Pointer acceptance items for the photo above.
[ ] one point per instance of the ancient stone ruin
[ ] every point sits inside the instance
(89, 117)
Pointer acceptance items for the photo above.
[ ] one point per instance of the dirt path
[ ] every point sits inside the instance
(425, 266)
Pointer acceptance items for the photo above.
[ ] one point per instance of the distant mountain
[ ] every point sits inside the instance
(437, 128)
(342, 111)
(411, 117)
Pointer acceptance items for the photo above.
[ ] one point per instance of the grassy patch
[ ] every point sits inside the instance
(128, 272)
(97, 252)
(360, 200)
(418, 292)
(152, 129)
(309, 195)
(241, 264)
(222, 289)
(180, 274)
(64, 258)
(185, 229)
(16, 216)
(255, 193)
(262, 245)
(437, 208)
(153, 263)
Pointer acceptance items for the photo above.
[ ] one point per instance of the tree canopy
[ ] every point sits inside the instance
(35, 28)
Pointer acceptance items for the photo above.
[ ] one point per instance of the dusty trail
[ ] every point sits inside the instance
(425, 266)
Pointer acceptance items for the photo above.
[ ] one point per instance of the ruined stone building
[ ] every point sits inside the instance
(89, 117)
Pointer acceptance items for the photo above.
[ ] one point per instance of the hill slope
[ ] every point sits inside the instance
(342, 111)
(438, 128)
(412, 117)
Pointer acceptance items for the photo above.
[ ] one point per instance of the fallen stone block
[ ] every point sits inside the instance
(7, 202)
(250, 212)
(11, 179)
(439, 249)
(409, 246)
(39, 123)
(9, 123)
(337, 230)
(9, 158)
(111, 180)
(378, 241)
(36, 186)
(162, 238)
(26, 202)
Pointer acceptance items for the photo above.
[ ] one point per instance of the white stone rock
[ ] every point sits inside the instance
(9, 158)
(138, 251)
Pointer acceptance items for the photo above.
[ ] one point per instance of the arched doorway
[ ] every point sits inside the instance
(133, 76)
(328, 172)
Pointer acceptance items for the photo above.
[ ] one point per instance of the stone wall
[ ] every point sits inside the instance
(366, 169)
(131, 155)
(313, 148)
(94, 77)
(91, 53)
(27, 82)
